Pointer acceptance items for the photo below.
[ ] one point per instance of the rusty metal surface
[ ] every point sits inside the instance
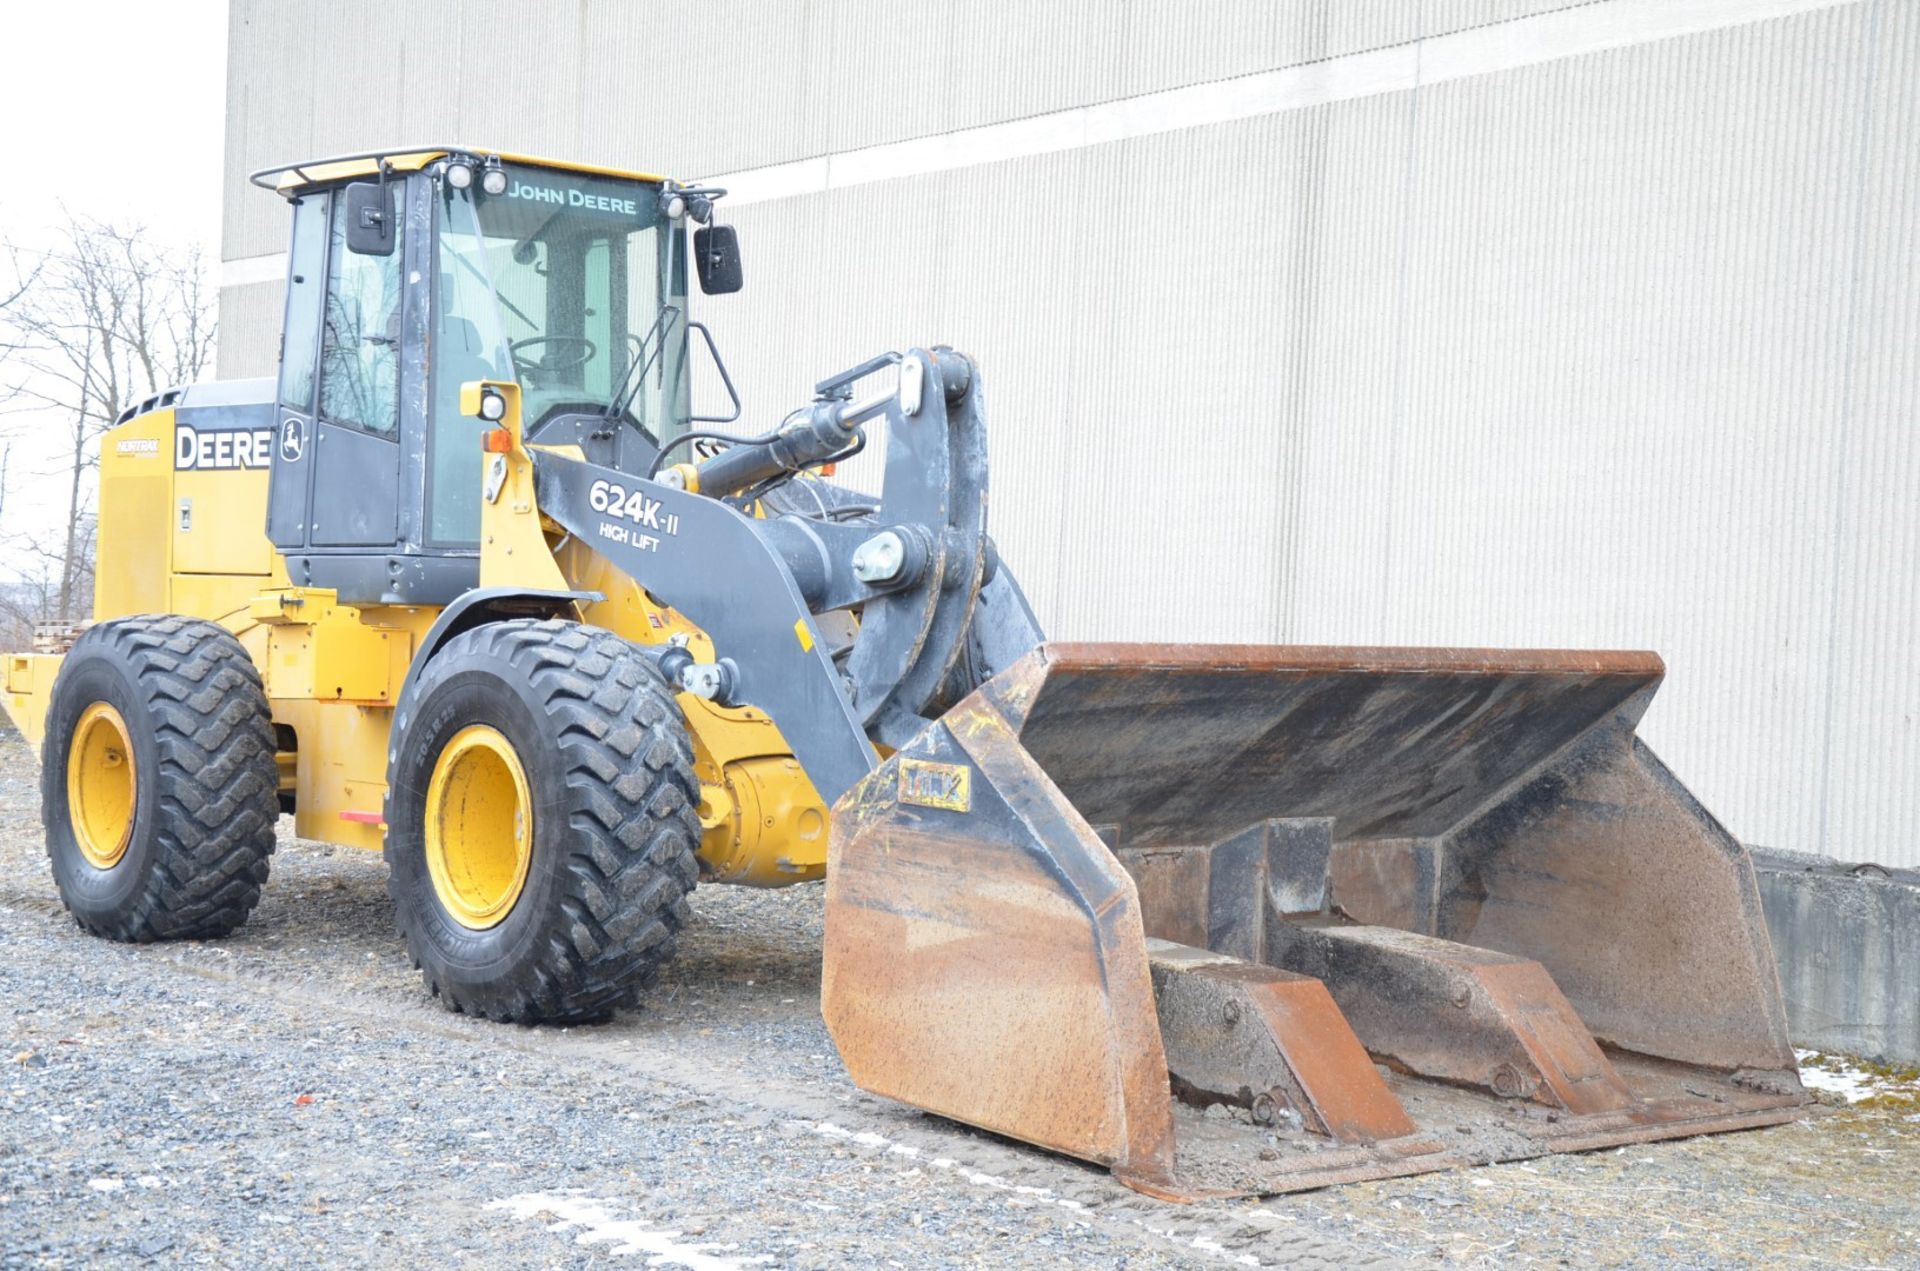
(1223, 896)
(1642, 907)
(986, 954)
(1495, 798)
(1463, 1128)
(1457, 1014)
(988, 965)
(1269, 1041)
(1173, 890)
(1387, 882)
(1191, 744)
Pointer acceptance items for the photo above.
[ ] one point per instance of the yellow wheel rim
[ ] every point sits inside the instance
(479, 827)
(100, 785)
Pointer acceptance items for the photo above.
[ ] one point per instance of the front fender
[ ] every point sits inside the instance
(491, 604)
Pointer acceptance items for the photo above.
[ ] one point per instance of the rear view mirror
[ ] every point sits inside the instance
(716, 257)
(369, 219)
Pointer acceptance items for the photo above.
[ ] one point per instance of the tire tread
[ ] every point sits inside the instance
(632, 800)
(218, 782)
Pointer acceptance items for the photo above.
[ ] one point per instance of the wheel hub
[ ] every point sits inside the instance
(100, 785)
(479, 831)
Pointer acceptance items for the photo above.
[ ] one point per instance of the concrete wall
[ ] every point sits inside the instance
(1847, 939)
(1457, 322)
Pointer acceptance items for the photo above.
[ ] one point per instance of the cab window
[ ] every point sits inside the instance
(360, 330)
(301, 336)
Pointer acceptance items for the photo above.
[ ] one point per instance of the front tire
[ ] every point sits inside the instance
(158, 787)
(541, 822)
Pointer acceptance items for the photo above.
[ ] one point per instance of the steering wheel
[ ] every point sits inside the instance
(584, 351)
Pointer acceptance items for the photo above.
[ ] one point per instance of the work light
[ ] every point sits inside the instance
(459, 175)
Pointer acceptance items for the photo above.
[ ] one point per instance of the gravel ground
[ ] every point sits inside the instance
(289, 1096)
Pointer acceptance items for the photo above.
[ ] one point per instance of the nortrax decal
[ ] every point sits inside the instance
(195, 450)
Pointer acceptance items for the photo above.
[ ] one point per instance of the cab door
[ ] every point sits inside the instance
(336, 443)
(353, 498)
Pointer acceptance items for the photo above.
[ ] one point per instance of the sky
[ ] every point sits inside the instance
(115, 109)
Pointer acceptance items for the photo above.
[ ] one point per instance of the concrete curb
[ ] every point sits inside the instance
(1847, 938)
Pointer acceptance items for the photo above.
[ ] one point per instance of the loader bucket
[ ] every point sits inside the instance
(1388, 910)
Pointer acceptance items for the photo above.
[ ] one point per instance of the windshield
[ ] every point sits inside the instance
(569, 284)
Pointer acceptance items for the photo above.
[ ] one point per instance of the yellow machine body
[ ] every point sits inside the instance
(193, 541)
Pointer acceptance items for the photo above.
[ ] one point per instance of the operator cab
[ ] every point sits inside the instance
(411, 274)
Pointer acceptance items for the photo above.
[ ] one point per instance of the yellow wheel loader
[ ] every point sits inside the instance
(472, 584)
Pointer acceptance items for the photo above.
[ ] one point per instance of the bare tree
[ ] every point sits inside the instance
(107, 319)
(32, 599)
(23, 276)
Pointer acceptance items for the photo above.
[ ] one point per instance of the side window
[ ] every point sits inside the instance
(300, 334)
(597, 372)
(468, 344)
(360, 336)
(652, 331)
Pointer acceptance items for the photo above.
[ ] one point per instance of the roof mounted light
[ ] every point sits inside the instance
(695, 201)
(459, 174)
(493, 178)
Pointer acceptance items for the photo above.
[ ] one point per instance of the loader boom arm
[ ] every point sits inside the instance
(921, 572)
(706, 560)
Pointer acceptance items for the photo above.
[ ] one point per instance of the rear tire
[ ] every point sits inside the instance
(158, 787)
(568, 728)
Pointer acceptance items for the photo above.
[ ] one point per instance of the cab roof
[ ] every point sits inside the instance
(291, 178)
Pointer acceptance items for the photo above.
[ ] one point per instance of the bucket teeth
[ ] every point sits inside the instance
(1468, 1016)
(1269, 1041)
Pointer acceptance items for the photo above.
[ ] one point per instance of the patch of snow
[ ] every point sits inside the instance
(1836, 1074)
(627, 1236)
(1854, 1085)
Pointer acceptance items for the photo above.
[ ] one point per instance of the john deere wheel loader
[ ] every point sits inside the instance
(470, 584)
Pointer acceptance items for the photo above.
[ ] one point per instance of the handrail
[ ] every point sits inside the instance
(428, 153)
(383, 155)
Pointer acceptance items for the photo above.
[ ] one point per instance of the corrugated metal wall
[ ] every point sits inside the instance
(1616, 349)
